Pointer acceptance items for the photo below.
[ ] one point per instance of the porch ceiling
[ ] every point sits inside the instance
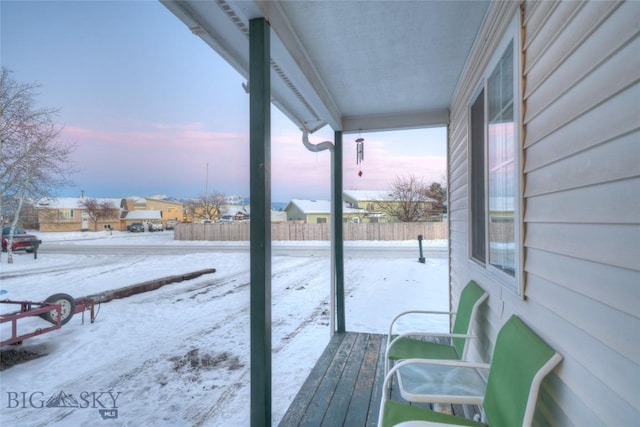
(355, 65)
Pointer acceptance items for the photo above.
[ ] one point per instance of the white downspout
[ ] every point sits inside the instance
(327, 145)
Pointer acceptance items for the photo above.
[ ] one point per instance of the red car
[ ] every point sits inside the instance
(21, 240)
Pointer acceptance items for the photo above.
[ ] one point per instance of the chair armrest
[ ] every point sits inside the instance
(434, 334)
(426, 312)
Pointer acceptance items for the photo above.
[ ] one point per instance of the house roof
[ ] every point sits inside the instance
(234, 210)
(72, 202)
(365, 195)
(319, 207)
(143, 215)
(137, 201)
(354, 65)
(374, 195)
(163, 199)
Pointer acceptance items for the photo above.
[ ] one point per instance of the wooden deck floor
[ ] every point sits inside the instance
(344, 388)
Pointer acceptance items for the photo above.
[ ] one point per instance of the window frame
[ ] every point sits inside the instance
(513, 282)
(474, 248)
(66, 214)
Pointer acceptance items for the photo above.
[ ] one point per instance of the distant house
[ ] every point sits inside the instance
(319, 212)
(233, 214)
(170, 209)
(376, 203)
(67, 214)
(369, 200)
(144, 216)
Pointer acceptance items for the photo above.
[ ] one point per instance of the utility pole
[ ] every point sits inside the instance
(206, 183)
(206, 193)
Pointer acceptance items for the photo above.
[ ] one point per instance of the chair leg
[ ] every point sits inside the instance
(465, 409)
(389, 366)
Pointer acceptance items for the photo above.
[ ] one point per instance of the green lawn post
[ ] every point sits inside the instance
(421, 259)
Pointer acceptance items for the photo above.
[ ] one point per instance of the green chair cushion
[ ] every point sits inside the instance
(410, 348)
(518, 356)
(470, 295)
(395, 413)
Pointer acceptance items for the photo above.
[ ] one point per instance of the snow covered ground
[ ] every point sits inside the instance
(179, 356)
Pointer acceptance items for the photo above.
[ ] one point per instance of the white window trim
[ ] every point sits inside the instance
(513, 283)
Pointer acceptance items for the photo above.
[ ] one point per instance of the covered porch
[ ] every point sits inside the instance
(555, 243)
(356, 67)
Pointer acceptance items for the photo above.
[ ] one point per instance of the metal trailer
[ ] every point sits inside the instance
(57, 309)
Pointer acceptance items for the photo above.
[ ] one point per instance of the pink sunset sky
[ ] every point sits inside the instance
(153, 110)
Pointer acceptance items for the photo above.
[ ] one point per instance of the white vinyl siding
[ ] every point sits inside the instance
(581, 172)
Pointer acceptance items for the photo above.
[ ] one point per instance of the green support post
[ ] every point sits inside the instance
(338, 230)
(260, 226)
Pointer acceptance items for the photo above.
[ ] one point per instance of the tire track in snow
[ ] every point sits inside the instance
(63, 268)
(130, 367)
(200, 413)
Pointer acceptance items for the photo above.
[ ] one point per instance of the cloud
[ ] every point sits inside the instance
(158, 157)
(300, 171)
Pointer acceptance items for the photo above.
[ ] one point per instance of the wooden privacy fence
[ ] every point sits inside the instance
(293, 231)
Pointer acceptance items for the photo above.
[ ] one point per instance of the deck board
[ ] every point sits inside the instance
(345, 386)
(298, 407)
(345, 389)
(363, 394)
(323, 396)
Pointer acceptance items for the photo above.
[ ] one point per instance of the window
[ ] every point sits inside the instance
(501, 162)
(65, 213)
(321, 220)
(494, 172)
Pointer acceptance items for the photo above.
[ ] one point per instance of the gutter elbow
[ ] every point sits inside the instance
(326, 145)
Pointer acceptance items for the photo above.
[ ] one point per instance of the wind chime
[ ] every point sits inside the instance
(359, 153)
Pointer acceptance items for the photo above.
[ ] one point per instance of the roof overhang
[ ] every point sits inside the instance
(355, 65)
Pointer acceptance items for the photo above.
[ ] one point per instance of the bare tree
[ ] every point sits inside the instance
(34, 160)
(207, 207)
(407, 199)
(98, 211)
